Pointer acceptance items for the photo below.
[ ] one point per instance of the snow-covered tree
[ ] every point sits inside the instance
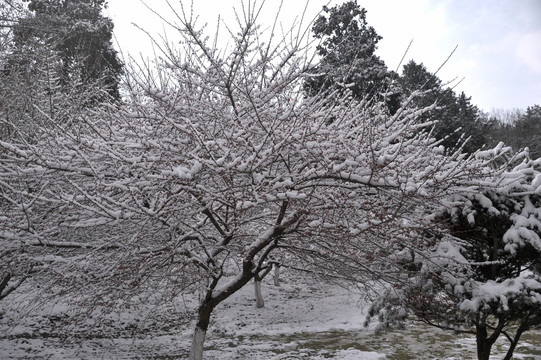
(217, 164)
(483, 274)
(526, 131)
(40, 83)
(10, 12)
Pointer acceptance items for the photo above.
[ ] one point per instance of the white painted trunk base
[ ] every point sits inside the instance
(259, 302)
(276, 276)
(198, 340)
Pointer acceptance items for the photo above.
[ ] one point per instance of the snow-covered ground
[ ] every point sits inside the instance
(299, 321)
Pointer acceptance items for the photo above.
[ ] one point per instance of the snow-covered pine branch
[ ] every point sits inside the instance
(483, 273)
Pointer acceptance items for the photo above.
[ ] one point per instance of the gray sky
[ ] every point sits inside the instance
(499, 41)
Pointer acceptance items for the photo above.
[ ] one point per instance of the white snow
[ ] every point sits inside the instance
(302, 319)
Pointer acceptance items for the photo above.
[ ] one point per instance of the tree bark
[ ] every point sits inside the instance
(196, 350)
(216, 296)
(4, 283)
(514, 343)
(258, 277)
(494, 266)
(483, 343)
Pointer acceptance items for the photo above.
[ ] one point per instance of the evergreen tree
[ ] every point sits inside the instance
(528, 131)
(10, 12)
(471, 122)
(81, 36)
(456, 115)
(517, 128)
(482, 275)
(348, 59)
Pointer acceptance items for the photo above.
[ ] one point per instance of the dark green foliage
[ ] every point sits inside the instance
(348, 59)
(471, 122)
(456, 115)
(484, 239)
(79, 34)
(519, 130)
(528, 131)
(482, 275)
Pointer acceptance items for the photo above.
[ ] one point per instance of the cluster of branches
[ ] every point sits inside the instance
(217, 166)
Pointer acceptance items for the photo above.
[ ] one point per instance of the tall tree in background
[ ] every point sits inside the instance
(42, 87)
(501, 125)
(80, 35)
(456, 115)
(10, 12)
(469, 120)
(528, 131)
(518, 128)
(348, 59)
(416, 77)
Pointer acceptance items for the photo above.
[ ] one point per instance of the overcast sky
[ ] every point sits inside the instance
(499, 41)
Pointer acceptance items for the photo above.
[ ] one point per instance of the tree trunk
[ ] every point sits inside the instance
(198, 340)
(276, 276)
(495, 266)
(514, 343)
(215, 296)
(259, 302)
(4, 284)
(483, 343)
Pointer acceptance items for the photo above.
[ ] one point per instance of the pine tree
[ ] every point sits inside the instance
(482, 274)
(528, 131)
(456, 115)
(348, 60)
(81, 36)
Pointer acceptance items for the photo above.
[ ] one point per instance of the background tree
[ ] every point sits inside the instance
(347, 56)
(519, 129)
(501, 125)
(456, 115)
(482, 276)
(46, 69)
(80, 35)
(528, 131)
(35, 104)
(10, 12)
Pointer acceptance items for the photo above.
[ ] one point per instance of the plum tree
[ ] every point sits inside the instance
(216, 163)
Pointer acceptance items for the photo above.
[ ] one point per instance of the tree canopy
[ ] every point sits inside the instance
(80, 35)
(196, 185)
(482, 275)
